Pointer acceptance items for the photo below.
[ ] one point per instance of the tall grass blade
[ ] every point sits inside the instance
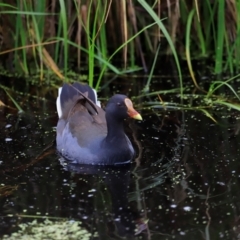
(208, 114)
(91, 34)
(235, 106)
(147, 86)
(63, 17)
(219, 84)
(229, 51)
(167, 36)
(220, 37)
(13, 100)
(188, 40)
(117, 50)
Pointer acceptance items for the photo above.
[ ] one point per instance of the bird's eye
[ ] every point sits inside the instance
(119, 104)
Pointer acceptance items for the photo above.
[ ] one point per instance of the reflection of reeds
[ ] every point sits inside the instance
(85, 29)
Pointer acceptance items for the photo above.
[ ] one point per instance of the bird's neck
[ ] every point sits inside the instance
(115, 129)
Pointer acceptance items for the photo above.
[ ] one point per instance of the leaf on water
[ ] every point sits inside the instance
(141, 226)
(235, 106)
(208, 115)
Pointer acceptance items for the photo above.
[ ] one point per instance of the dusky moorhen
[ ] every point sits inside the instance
(86, 134)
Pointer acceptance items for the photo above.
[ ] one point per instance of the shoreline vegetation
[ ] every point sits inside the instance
(119, 37)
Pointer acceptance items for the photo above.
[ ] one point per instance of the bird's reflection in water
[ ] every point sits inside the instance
(124, 219)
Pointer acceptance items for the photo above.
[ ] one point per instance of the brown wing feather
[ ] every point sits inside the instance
(89, 101)
(85, 124)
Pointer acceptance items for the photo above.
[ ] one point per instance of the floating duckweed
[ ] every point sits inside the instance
(64, 230)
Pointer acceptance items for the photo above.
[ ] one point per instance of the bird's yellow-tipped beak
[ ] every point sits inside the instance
(136, 116)
(131, 111)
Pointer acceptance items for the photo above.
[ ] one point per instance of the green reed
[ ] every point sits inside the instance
(64, 24)
(116, 51)
(193, 30)
(97, 33)
(166, 35)
(220, 36)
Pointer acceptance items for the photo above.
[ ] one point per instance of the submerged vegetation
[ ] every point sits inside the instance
(90, 36)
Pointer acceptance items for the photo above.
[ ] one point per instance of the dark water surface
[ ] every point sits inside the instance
(187, 184)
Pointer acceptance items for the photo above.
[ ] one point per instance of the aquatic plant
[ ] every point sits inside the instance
(59, 34)
(89, 37)
(50, 230)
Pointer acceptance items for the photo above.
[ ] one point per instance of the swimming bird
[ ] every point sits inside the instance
(86, 134)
